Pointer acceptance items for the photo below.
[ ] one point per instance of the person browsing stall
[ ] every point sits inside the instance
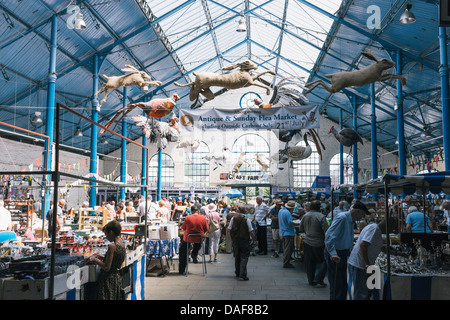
(314, 225)
(287, 232)
(241, 232)
(109, 281)
(194, 223)
(338, 244)
(261, 214)
(364, 253)
(275, 227)
(415, 221)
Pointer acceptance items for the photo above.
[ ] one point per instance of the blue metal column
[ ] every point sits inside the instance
(374, 133)
(123, 160)
(355, 145)
(341, 150)
(158, 191)
(94, 131)
(144, 163)
(443, 70)
(50, 124)
(400, 118)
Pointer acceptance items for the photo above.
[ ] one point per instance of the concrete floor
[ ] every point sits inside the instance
(268, 281)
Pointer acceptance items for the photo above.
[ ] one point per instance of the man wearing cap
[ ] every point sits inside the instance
(287, 232)
(261, 214)
(275, 226)
(338, 245)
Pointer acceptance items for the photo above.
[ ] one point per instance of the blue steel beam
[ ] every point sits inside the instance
(213, 33)
(50, 119)
(373, 132)
(400, 119)
(344, 90)
(208, 31)
(151, 93)
(386, 44)
(123, 153)
(280, 40)
(94, 132)
(443, 70)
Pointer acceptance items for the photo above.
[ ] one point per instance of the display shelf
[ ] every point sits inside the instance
(89, 218)
(21, 212)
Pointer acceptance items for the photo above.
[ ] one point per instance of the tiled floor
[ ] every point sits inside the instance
(268, 281)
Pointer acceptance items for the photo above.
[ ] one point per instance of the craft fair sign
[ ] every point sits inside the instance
(284, 118)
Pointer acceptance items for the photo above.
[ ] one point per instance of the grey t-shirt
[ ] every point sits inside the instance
(314, 225)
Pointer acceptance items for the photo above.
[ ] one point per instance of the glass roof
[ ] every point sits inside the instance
(285, 36)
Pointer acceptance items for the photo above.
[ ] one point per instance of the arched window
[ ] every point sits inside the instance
(196, 167)
(250, 146)
(335, 164)
(305, 171)
(167, 170)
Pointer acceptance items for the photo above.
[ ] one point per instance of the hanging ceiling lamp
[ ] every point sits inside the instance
(241, 25)
(426, 132)
(37, 117)
(407, 16)
(79, 22)
(78, 132)
(103, 140)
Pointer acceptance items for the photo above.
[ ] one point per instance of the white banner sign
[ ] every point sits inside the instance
(284, 118)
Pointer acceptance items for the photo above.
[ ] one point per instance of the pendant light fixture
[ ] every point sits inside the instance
(36, 118)
(407, 16)
(241, 25)
(78, 132)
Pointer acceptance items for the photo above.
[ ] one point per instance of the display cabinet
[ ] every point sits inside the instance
(21, 212)
(90, 218)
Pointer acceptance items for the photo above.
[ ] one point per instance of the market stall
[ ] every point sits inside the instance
(418, 267)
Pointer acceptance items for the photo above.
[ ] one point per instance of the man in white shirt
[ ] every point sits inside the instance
(152, 207)
(5, 218)
(364, 253)
(261, 214)
(446, 221)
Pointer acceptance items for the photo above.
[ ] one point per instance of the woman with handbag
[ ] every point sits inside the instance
(213, 219)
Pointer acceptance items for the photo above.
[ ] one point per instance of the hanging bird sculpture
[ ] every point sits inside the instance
(189, 145)
(156, 108)
(159, 132)
(288, 92)
(347, 137)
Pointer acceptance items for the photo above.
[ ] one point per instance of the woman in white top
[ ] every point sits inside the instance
(163, 212)
(214, 237)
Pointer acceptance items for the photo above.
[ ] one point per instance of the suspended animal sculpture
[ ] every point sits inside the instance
(190, 146)
(297, 153)
(286, 135)
(358, 78)
(134, 77)
(288, 92)
(232, 80)
(159, 132)
(261, 161)
(241, 160)
(347, 137)
(156, 108)
(218, 159)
